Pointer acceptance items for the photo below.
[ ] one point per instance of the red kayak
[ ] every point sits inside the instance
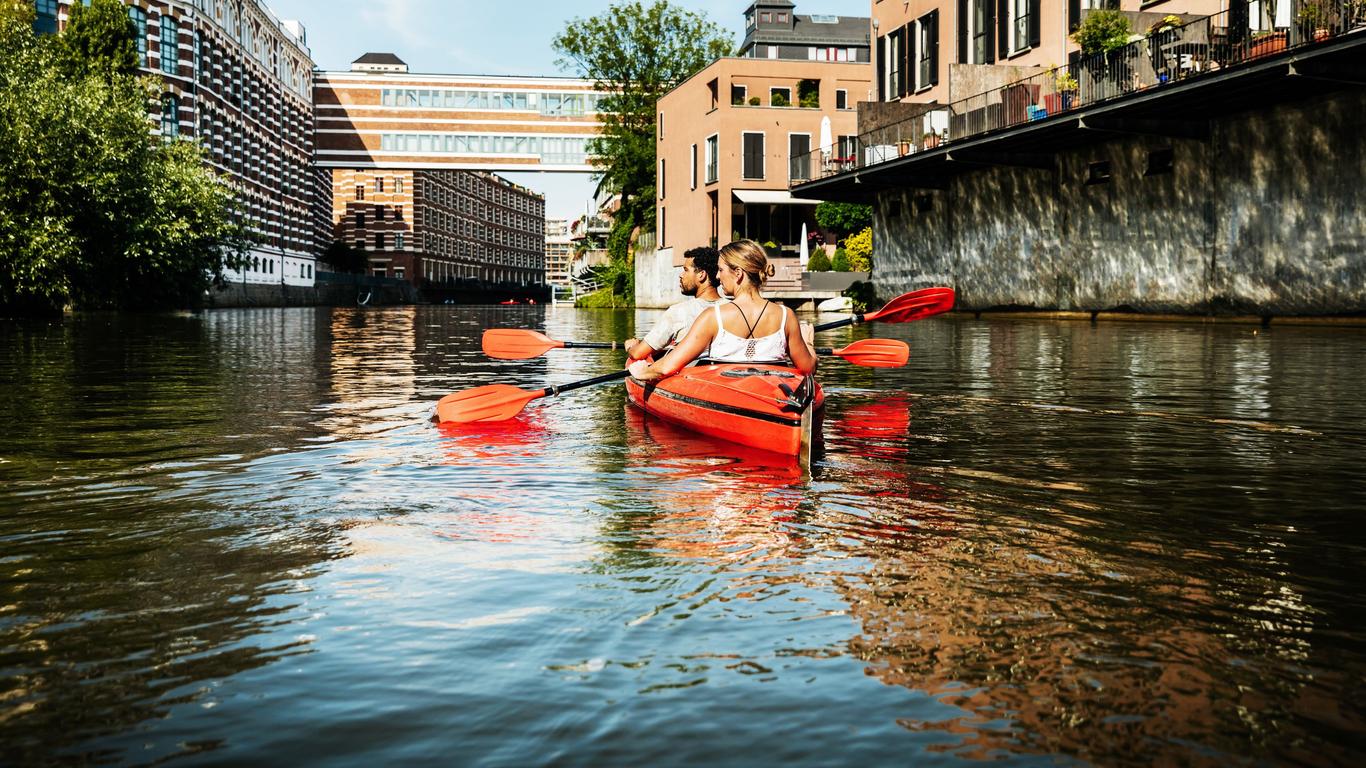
(771, 407)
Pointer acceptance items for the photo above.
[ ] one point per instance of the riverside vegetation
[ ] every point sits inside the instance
(97, 211)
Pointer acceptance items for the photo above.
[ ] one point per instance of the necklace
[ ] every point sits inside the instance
(749, 329)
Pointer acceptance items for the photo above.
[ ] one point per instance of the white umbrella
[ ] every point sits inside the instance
(802, 252)
(827, 141)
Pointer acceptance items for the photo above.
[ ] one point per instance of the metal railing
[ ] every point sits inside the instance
(1165, 55)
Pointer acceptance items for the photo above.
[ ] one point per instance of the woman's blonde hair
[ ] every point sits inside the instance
(748, 257)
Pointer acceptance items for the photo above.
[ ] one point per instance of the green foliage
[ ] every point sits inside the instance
(818, 262)
(755, 101)
(809, 93)
(840, 263)
(862, 295)
(860, 250)
(343, 257)
(14, 15)
(99, 37)
(1102, 32)
(636, 52)
(843, 218)
(94, 212)
(777, 99)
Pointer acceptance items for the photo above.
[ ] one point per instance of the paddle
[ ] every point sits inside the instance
(915, 305)
(496, 402)
(518, 344)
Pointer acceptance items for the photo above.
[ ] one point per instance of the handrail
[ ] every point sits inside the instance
(1167, 54)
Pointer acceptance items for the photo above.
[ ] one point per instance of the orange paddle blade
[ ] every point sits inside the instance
(914, 305)
(876, 353)
(494, 402)
(517, 344)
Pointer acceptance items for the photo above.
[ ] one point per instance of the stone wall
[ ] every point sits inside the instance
(1263, 218)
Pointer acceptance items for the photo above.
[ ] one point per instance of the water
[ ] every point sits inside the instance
(233, 539)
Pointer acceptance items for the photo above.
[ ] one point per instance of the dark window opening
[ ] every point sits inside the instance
(1159, 162)
(1098, 172)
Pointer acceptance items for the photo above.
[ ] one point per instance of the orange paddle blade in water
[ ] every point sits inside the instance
(494, 402)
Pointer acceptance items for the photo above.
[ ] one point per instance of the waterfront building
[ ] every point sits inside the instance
(734, 136)
(1170, 175)
(774, 30)
(379, 115)
(443, 231)
(238, 80)
(559, 250)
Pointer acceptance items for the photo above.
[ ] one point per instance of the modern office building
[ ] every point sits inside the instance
(238, 80)
(734, 136)
(380, 115)
(773, 30)
(443, 230)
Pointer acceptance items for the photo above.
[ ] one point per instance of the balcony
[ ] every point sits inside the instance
(1171, 82)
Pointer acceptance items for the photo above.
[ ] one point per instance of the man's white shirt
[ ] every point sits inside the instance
(674, 325)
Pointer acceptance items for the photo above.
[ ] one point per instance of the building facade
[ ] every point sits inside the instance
(733, 137)
(379, 115)
(444, 231)
(239, 81)
(773, 30)
(559, 251)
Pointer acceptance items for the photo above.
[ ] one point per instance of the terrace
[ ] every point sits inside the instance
(1171, 83)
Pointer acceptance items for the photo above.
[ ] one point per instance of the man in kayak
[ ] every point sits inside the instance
(698, 282)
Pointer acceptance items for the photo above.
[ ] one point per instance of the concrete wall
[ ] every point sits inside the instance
(657, 278)
(1264, 218)
(325, 294)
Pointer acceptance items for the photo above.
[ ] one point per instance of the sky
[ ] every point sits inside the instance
(488, 37)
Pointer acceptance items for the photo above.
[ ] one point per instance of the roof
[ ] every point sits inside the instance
(380, 58)
(848, 30)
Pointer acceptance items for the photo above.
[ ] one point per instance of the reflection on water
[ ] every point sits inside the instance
(236, 535)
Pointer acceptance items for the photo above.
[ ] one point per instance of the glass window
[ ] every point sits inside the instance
(139, 18)
(753, 151)
(712, 159)
(170, 117)
(170, 44)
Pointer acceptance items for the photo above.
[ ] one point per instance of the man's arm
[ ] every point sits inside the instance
(657, 339)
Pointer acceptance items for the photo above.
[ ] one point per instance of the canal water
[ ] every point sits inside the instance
(234, 538)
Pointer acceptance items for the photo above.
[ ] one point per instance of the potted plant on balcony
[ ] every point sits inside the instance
(1065, 85)
(778, 99)
(1314, 19)
(929, 139)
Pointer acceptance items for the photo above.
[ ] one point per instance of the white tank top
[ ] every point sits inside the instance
(729, 348)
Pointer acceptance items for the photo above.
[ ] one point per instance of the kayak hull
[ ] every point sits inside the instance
(770, 407)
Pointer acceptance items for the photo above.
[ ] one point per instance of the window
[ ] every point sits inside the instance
(663, 239)
(170, 45)
(139, 17)
(765, 18)
(713, 162)
(360, 191)
(398, 189)
(379, 184)
(662, 184)
(1098, 172)
(841, 98)
(692, 167)
(198, 53)
(1159, 162)
(713, 88)
(896, 85)
(738, 94)
(773, 51)
(799, 156)
(379, 241)
(170, 117)
(360, 220)
(927, 73)
(977, 33)
(780, 97)
(782, 18)
(752, 145)
(379, 213)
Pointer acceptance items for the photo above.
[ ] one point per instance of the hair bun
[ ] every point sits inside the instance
(770, 271)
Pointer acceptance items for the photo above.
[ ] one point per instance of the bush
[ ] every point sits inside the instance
(818, 262)
(778, 99)
(755, 101)
(860, 250)
(843, 218)
(841, 261)
(1102, 32)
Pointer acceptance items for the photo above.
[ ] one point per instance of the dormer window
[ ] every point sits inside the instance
(765, 17)
(782, 18)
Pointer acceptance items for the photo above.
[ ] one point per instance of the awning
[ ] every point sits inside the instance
(771, 197)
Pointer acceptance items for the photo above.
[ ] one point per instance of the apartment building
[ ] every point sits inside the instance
(442, 230)
(945, 50)
(238, 80)
(734, 136)
(559, 250)
(380, 115)
(774, 30)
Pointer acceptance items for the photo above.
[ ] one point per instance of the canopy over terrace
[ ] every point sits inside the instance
(772, 215)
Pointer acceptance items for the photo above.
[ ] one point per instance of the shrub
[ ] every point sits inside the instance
(755, 101)
(841, 261)
(818, 262)
(843, 218)
(778, 99)
(1102, 32)
(860, 250)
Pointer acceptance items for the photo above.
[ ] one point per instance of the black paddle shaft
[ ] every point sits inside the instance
(855, 320)
(603, 379)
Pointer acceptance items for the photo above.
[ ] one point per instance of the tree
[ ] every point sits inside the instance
(843, 218)
(1102, 32)
(840, 262)
(818, 262)
(95, 212)
(343, 257)
(636, 53)
(99, 37)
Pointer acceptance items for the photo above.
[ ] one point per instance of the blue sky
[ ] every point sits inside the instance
(486, 37)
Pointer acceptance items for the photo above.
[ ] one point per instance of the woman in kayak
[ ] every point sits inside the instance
(748, 329)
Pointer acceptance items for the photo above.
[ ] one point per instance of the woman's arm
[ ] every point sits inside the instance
(698, 338)
(803, 354)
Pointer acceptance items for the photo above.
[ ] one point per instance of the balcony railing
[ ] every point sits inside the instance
(1195, 49)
